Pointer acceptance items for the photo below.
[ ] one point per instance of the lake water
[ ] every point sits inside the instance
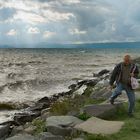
(29, 74)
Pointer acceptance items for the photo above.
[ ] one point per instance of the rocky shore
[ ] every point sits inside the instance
(66, 115)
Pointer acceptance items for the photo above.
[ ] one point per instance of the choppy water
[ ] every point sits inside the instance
(29, 74)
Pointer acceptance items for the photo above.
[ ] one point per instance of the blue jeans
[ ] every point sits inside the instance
(130, 95)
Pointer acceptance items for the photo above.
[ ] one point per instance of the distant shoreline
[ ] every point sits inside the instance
(78, 45)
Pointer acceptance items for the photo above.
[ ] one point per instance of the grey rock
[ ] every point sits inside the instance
(73, 113)
(21, 137)
(101, 73)
(64, 121)
(58, 130)
(17, 130)
(101, 110)
(62, 125)
(4, 130)
(102, 83)
(98, 126)
(48, 136)
(78, 139)
(101, 94)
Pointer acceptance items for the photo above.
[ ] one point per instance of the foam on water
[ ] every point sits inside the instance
(29, 74)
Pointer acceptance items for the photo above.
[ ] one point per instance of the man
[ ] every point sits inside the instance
(122, 75)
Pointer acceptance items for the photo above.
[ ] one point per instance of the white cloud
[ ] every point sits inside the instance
(12, 32)
(25, 5)
(71, 1)
(31, 18)
(51, 15)
(35, 12)
(33, 30)
(48, 34)
(113, 28)
(76, 31)
(45, 17)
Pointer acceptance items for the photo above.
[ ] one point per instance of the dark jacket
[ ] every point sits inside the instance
(116, 74)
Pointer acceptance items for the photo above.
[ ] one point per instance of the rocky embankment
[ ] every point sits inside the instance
(39, 122)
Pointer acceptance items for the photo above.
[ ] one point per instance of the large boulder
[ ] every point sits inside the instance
(4, 130)
(102, 83)
(21, 137)
(101, 110)
(17, 130)
(48, 136)
(62, 125)
(98, 126)
(78, 139)
(103, 93)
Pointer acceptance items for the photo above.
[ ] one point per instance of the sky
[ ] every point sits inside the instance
(69, 21)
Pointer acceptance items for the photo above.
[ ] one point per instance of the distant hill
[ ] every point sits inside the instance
(86, 45)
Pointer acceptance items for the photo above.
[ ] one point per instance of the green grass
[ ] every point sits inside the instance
(40, 126)
(83, 116)
(130, 131)
(72, 104)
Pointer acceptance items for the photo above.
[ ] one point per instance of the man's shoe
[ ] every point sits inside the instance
(111, 101)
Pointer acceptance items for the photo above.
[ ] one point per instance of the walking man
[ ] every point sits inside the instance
(122, 74)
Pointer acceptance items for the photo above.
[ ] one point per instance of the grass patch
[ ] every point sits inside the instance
(40, 126)
(72, 104)
(69, 104)
(83, 116)
(88, 91)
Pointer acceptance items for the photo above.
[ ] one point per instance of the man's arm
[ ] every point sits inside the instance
(114, 74)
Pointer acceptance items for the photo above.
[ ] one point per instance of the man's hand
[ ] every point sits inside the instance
(111, 87)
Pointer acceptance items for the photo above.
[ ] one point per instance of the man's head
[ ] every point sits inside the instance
(127, 59)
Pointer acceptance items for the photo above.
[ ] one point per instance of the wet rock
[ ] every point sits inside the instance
(101, 110)
(92, 82)
(101, 73)
(38, 107)
(81, 90)
(4, 130)
(98, 126)
(73, 86)
(21, 137)
(44, 100)
(22, 118)
(49, 136)
(62, 125)
(82, 83)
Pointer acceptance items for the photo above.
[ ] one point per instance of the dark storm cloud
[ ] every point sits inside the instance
(71, 20)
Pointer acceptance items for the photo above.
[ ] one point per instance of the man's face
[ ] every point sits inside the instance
(127, 59)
